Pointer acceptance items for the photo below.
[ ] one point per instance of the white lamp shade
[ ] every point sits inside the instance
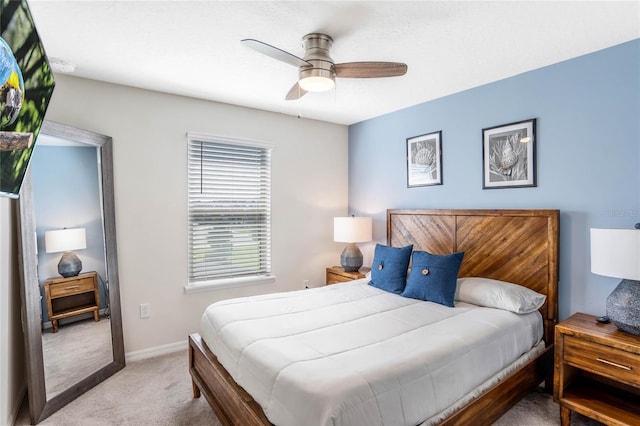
(351, 229)
(65, 240)
(616, 253)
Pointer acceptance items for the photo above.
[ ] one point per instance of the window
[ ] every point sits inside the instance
(229, 211)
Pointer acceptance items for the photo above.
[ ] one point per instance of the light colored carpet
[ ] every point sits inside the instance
(74, 352)
(157, 391)
(538, 409)
(154, 391)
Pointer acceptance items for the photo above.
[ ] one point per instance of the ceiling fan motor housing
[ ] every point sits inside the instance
(317, 47)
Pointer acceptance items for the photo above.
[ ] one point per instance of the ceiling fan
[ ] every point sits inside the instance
(317, 71)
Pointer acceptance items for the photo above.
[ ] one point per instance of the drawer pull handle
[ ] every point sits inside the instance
(71, 287)
(614, 364)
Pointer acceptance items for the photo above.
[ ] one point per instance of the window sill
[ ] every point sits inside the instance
(227, 283)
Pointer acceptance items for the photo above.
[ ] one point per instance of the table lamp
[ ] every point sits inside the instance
(616, 253)
(351, 230)
(66, 240)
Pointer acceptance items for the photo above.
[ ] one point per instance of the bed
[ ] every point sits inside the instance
(519, 246)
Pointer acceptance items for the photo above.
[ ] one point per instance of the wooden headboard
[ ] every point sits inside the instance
(518, 246)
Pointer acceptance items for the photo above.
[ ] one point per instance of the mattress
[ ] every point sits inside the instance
(351, 354)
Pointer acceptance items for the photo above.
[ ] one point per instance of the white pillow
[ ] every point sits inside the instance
(498, 294)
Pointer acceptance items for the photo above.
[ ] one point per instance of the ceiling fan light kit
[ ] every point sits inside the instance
(317, 71)
(316, 83)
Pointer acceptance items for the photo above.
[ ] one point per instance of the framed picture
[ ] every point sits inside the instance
(509, 155)
(424, 160)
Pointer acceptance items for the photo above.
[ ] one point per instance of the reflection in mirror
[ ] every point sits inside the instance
(66, 191)
(70, 282)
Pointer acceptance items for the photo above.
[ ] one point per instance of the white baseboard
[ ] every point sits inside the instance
(22, 394)
(156, 351)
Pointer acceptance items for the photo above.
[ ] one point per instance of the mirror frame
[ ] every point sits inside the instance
(39, 406)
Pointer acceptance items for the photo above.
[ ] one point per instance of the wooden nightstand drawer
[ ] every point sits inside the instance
(597, 372)
(603, 360)
(335, 278)
(71, 287)
(335, 275)
(66, 297)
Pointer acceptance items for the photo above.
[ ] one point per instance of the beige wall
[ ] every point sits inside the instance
(12, 368)
(309, 187)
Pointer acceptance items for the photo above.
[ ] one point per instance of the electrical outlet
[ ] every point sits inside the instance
(305, 283)
(145, 310)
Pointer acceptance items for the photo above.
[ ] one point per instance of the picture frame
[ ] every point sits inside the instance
(509, 155)
(424, 160)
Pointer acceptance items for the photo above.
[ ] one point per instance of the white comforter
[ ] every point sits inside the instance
(351, 354)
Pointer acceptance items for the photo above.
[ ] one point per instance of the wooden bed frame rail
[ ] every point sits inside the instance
(231, 403)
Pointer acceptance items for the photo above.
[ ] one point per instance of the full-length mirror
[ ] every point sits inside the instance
(70, 292)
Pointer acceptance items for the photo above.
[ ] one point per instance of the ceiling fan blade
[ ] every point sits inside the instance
(370, 69)
(274, 52)
(296, 92)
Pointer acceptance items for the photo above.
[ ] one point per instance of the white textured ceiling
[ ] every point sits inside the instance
(193, 48)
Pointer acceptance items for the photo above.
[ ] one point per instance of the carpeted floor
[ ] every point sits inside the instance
(157, 391)
(538, 409)
(75, 351)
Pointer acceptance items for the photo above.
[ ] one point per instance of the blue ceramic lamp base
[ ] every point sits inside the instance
(623, 306)
(351, 258)
(70, 265)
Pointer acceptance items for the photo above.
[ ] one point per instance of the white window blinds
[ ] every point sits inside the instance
(229, 209)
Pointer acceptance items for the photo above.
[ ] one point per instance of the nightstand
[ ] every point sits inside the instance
(337, 274)
(71, 296)
(597, 371)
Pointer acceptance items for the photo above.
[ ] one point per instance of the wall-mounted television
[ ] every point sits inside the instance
(26, 86)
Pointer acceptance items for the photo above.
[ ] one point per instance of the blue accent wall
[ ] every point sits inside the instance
(588, 157)
(66, 194)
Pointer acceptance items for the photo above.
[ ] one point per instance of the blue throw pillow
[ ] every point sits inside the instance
(389, 268)
(433, 277)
